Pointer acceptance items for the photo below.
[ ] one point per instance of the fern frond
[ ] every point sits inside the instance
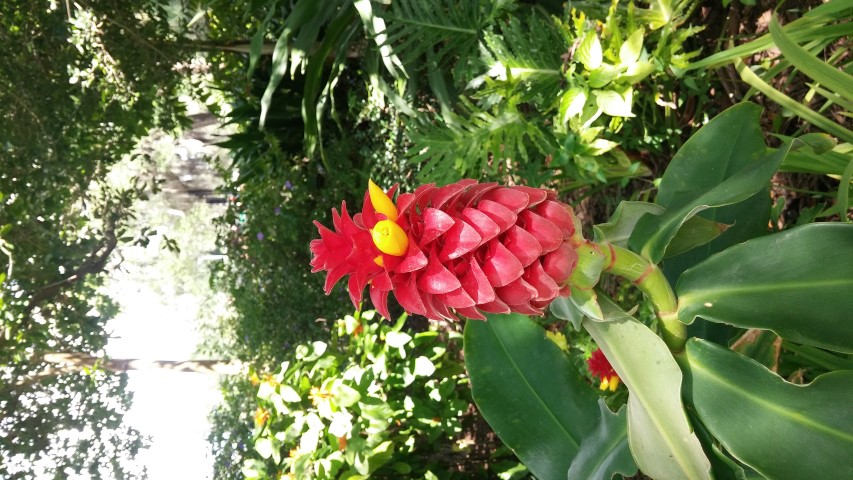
(527, 57)
(478, 144)
(445, 29)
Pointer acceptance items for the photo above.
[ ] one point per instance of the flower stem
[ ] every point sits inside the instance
(651, 281)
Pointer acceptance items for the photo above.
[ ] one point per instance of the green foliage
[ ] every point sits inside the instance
(377, 400)
(550, 97)
(606, 450)
(521, 94)
(231, 421)
(80, 82)
(660, 436)
(503, 91)
(810, 421)
(559, 406)
(780, 272)
(746, 170)
(792, 283)
(811, 54)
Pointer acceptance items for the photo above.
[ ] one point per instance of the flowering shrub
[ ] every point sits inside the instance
(375, 401)
(733, 283)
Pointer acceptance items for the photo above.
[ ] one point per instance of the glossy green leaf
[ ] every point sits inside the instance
(722, 164)
(613, 104)
(781, 430)
(630, 51)
(694, 232)
(748, 218)
(529, 392)
(660, 437)
(801, 279)
(605, 452)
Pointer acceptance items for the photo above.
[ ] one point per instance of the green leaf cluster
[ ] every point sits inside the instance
(492, 89)
(376, 401)
(768, 314)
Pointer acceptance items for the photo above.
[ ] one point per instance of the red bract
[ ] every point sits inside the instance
(471, 248)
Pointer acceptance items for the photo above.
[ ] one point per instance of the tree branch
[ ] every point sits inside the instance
(96, 263)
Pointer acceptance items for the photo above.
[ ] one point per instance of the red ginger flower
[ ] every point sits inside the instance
(467, 247)
(600, 367)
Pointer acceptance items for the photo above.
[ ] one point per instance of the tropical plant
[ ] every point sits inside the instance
(704, 258)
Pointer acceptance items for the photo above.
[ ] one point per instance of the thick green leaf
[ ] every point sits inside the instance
(529, 392)
(722, 164)
(660, 437)
(694, 232)
(797, 283)
(605, 451)
(781, 430)
(744, 184)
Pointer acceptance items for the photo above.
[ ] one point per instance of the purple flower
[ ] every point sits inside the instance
(288, 185)
(277, 210)
(260, 235)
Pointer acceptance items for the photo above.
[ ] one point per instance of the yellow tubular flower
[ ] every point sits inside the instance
(614, 383)
(390, 238)
(381, 202)
(611, 383)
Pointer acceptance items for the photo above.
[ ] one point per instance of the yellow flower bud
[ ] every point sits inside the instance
(381, 202)
(390, 238)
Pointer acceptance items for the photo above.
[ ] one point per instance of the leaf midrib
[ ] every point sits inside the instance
(762, 287)
(529, 386)
(785, 412)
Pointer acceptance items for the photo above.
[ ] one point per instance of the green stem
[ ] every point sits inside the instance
(651, 281)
